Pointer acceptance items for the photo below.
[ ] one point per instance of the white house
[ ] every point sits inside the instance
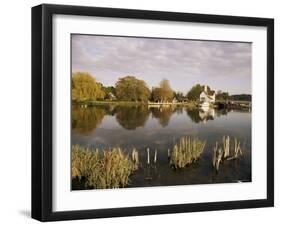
(207, 97)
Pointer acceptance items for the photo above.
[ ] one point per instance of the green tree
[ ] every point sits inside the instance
(222, 95)
(109, 92)
(132, 89)
(85, 87)
(179, 96)
(155, 94)
(195, 91)
(241, 97)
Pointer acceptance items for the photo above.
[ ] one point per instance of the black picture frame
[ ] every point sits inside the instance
(42, 107)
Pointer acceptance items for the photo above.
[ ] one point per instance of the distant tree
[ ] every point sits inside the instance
(179, 96)
(109, 92)
(222, 95)
(131, 88)
(195, 91)
(241, 97)
(166, 90)
(85, 87)
(156, 94)
(163, 93)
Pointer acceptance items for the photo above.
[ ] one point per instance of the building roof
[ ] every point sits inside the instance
(210, 94)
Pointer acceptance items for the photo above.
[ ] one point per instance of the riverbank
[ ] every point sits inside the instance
(237, 105)
(156, 104)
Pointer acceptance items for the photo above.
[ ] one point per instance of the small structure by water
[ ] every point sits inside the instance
(207, 97)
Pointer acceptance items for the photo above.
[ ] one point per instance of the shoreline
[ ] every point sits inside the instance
(133, 103)
(192, 104)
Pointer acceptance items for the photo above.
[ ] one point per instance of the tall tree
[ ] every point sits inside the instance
(167, 92)
(164, 92)
(156, 94)
(132, 89)
(179, 96)
(85, 87)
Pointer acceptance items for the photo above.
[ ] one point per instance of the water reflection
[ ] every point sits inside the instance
(163, 114)
(158, 128)
(131, 117)
(207, 114)
(84, 120)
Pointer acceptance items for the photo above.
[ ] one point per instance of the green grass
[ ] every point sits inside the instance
(100, 169)
(186, 152)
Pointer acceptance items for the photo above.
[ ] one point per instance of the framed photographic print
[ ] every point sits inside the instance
(145, 112)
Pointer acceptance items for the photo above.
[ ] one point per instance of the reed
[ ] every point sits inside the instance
(224, 153)
(148, 156)
(215, 155)
(135, 158)
(218, 154)
(155, 156)
(226, 143)
(186, 152)
(237, 152)
(169, 154)
(108, 168)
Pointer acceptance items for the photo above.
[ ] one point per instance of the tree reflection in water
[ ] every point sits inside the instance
(131, 117)
(163, 114)
(193, 115)
(84, 120)
(201, 115)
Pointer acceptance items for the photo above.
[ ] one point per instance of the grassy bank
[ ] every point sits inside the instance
(92, 102)
(191, 104)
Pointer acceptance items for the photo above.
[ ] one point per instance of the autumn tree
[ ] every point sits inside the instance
(132, 89)
(163, 93)
(85, 87)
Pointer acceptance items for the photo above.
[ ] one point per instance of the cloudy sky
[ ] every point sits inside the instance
(221, 65)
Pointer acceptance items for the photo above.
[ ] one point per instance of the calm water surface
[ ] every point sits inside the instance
(159, 128)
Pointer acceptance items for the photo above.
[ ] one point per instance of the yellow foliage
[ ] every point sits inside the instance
(85, 87)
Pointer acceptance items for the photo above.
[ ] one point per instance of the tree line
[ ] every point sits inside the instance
(129, 88)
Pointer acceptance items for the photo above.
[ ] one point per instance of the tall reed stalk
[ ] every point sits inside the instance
(186, 152)
(226, 143)
(224, 153)
(217, 156)
(135, 158)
